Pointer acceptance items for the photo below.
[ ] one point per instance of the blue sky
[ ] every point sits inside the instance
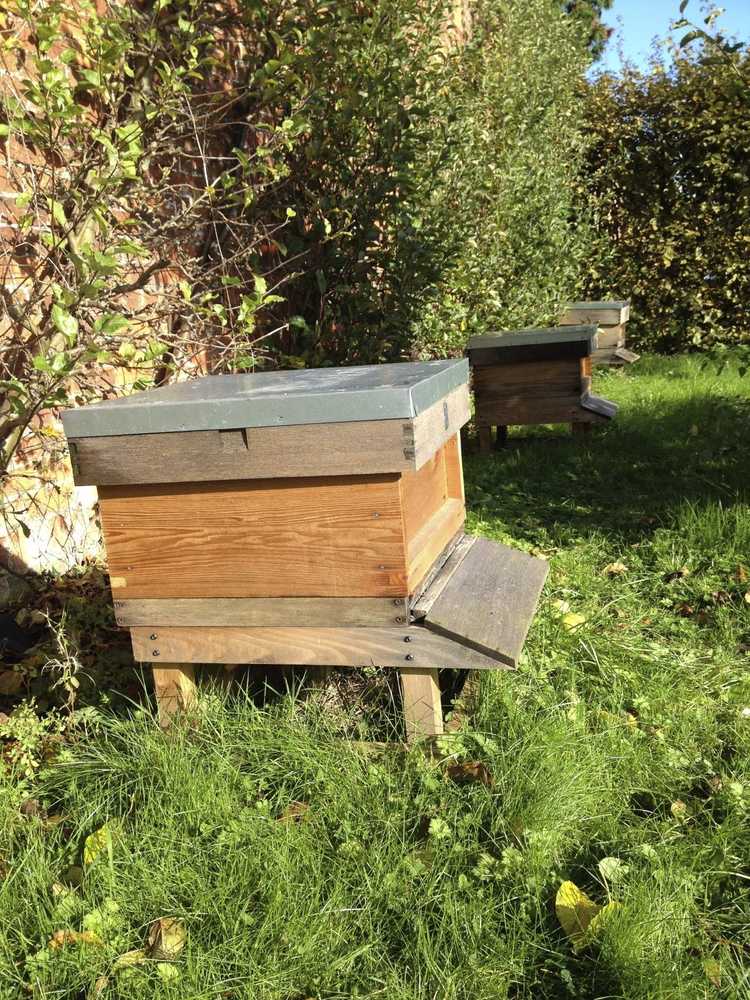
(636, 22)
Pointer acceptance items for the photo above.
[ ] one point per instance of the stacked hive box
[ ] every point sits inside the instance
(301, 518)
(611, 319)
(534, 377)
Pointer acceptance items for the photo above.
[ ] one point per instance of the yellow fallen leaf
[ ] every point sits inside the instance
(575, 911)
(62, 938)
(573, 621)
(166, 939)
(747, 597)
(615, 569)
(712, 968)
(602, 918)
(562, 606)
(129, 959)
(95, 843)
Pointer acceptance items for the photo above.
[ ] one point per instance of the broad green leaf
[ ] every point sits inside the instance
(65, 323)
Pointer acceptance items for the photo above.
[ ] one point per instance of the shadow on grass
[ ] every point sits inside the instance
(626, 477)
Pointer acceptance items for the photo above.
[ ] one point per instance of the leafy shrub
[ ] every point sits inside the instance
(668, 169)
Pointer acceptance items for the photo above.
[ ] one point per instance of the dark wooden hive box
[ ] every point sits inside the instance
(535, 377)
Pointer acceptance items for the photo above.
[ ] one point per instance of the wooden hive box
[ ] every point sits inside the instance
(611, 319)
(311, 517)
(534, 377)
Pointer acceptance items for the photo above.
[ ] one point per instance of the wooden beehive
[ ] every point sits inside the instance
(534, 377)
(611, 320)
(310, 517)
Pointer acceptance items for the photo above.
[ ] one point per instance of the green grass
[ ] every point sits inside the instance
(627, 738)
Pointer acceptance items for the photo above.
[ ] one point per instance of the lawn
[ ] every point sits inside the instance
(300, 852)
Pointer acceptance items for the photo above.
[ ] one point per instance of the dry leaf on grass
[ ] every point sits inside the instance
(677, 574)
(580, 917)
(96, 842)
(741, 574)
(130, 959)
(60, 939)
(615, 569)
(470, 772)
(166, 939)
(572, 621)
(295, 812)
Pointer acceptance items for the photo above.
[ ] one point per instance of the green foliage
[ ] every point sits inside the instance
(668, 172)
(588, 15)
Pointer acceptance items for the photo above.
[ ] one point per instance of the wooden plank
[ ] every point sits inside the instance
(423, 493)
(423, 712)
(629, 357)
(597, 404)
(262, 611)
(427, 598)
(442, 422)
(352, 448)
(611, 336)
(598, 313)
(425, 547)
(174, 687)
(489, 601)
(563, 410)
(341, 537)
(411, 647)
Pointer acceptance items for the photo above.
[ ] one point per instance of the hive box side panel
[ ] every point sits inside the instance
(434, 510)
(337, 537)
(528, 379)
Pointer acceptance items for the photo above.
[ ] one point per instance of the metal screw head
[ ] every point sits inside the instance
(407, 638)
(154, 652)
(399, 621)
(152, 636)
(408, 657)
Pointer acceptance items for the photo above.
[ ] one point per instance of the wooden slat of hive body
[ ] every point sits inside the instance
(332, 647)
(341, 537)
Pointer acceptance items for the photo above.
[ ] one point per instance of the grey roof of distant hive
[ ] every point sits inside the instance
(533, 337)
(609, 304)
(269, 399)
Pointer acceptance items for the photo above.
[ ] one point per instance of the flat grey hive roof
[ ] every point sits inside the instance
(609, 304)
(533, 337)
(269, 399)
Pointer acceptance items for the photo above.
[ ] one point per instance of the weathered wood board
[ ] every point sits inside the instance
(330, 449)
(599, 313)
(262, 611)
(488, 602)
(412, 647)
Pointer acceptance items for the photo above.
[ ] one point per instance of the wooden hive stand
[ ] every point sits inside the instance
(611, 320)
(309, 518)
(534, 377)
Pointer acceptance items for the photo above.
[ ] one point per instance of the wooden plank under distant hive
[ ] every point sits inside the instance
(490, 599)
(262, 611)
(341, 537)
(411, 647)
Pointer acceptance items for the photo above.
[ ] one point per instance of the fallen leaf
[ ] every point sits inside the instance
(562, 606)
(32, 807)
(615, 569)
(720, 597)
(167, 972)
(99, 988)
(612, 869)
(693, 430)
(60, 939)
(166, 938)
(685, 610)
(95, 843)
(470, 772)
(747, 597)
(295, 812)
(575, 911)
(573, 621)
(712, 968)
(679, 810)
(677, 574)
(130, 959)
(741, 574)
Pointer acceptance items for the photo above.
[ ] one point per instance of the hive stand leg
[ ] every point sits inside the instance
(580, 429)
(174, 684)
(501, 438)
(423, 713)
(485, 440)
